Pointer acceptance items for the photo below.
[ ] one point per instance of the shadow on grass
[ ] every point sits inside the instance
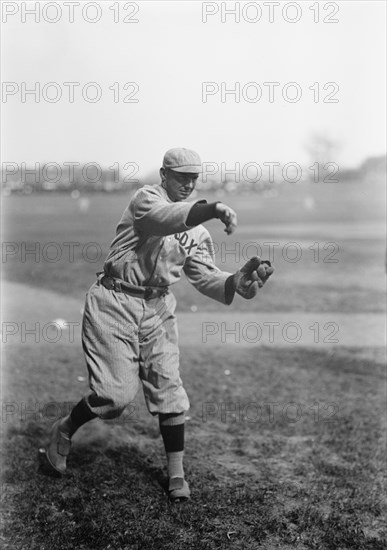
(269, 484)
(113, 498)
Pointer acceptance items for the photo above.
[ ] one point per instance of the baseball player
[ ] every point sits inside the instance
(129, 331)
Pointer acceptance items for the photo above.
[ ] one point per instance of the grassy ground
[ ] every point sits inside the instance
(263, 474)
(284, 444)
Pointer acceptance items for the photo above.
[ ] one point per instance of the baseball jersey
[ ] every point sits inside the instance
(153, 245)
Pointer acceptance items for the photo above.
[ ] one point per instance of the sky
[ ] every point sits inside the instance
(169, 54)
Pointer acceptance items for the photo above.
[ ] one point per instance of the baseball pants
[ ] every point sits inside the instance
(128, 340)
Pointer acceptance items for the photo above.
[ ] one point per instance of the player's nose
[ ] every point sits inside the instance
(190, 183)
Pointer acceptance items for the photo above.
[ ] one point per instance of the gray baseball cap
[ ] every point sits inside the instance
(180, 159)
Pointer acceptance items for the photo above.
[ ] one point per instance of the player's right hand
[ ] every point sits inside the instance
(228, 216)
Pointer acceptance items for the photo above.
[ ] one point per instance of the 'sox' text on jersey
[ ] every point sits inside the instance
(183, 239)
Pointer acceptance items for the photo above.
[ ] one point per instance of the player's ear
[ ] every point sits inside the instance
(163, 175)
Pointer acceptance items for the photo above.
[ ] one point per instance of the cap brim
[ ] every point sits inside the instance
(194, 169)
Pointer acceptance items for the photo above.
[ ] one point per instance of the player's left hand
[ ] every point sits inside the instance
(251, 276)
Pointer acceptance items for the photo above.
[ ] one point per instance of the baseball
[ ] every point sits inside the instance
(261, 270)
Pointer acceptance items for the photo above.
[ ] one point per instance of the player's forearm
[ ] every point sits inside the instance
(201, 212)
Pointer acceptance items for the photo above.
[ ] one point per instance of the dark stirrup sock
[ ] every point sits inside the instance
(172, 432)
(78, 416)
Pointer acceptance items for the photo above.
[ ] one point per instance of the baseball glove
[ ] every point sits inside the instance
(251, 276)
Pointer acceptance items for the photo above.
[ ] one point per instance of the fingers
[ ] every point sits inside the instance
(264, 271)
(228, 216)
(268, 267)
(257, 277)
(248, 287)
(230, 222)
(254, 276)
(251, 265)
(253, 289)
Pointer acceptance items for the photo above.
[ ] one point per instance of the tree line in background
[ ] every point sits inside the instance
(47, 178)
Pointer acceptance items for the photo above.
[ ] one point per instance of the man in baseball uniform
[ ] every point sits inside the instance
(129, 331)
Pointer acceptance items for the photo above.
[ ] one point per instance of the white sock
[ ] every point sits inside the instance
(175, 464)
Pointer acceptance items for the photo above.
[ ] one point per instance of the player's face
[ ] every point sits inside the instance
(179, 185)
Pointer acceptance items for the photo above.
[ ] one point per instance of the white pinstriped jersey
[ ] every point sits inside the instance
(153, 245)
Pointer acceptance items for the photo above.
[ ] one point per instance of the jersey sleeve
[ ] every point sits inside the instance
(204, 275)
(153, 215)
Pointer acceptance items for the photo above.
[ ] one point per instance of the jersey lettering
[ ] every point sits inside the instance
(183, 238)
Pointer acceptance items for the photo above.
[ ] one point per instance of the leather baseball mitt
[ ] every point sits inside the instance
(251, 276)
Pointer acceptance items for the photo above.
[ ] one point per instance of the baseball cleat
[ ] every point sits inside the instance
(178, 490)
(58, 448)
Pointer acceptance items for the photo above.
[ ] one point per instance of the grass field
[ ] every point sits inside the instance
(285, 443)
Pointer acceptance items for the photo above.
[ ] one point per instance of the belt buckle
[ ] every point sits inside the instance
(148, 293)
(109, 282)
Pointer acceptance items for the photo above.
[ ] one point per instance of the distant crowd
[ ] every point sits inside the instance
(27, 180)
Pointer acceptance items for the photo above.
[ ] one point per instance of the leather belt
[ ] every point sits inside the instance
(144, 292)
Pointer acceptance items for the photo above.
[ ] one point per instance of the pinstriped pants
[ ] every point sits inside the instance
(128, 341)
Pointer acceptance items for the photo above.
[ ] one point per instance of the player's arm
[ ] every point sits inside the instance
(155, 216)
(203, 274)
(209, 280)
(202, 212)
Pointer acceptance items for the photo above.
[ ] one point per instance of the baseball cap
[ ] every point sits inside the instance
(180, 159)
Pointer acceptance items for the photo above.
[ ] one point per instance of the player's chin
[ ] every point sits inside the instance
(183, 196)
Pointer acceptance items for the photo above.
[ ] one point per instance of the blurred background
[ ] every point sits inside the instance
(286, 107)
(305, 171)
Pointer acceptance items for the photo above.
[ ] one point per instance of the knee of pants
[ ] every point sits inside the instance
(110, 407)
(112, 411)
